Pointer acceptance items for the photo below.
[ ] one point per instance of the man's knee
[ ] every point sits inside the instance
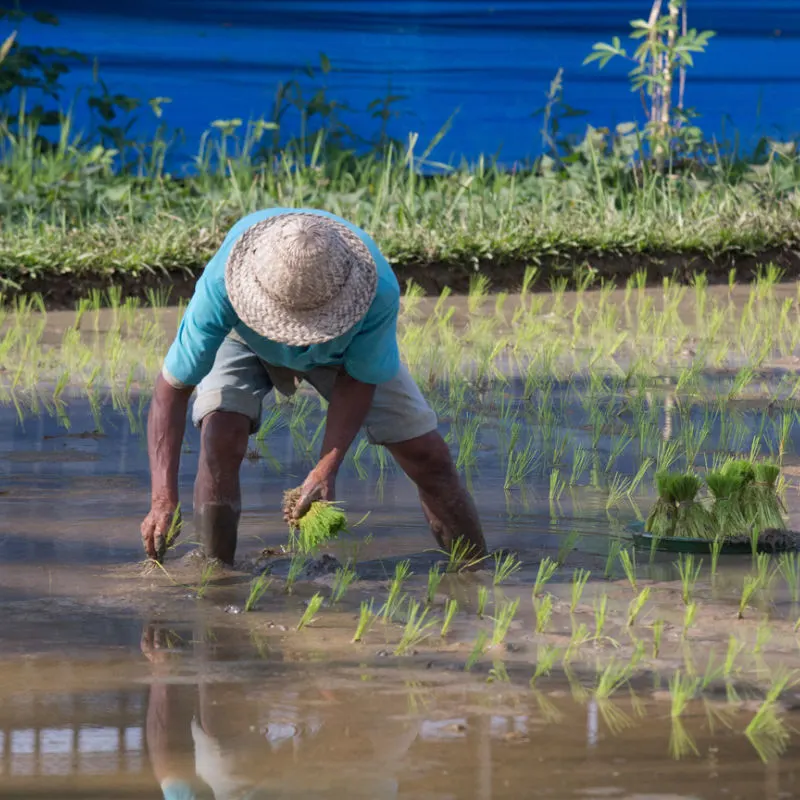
(224, 436)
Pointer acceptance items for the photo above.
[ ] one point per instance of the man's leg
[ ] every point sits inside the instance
(448, 507)
(401, 420)
(217, 493)
(227, 410)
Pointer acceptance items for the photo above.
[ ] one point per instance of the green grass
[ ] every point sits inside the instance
(67, 211)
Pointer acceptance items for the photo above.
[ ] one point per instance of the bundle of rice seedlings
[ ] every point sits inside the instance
(322, 523)
(762, 505)
(693, 520)
(727, 512)
(661, 520)
(740, 469)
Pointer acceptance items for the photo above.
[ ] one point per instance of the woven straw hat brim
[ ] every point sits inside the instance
(273, 320)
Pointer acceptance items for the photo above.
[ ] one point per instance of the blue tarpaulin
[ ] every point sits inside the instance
(490, 61)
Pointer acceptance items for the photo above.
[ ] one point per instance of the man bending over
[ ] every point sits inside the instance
(290, 296)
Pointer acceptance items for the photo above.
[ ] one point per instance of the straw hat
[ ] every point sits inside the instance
(300, 279)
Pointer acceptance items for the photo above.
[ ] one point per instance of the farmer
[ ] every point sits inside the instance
(290, 296)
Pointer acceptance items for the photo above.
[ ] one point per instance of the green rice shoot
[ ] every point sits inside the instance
(321, 524)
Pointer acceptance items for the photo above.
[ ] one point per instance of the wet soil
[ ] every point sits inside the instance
(62, 291)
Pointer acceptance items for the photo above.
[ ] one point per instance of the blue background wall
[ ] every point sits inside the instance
(493, 60)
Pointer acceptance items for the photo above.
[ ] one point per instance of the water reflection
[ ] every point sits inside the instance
(216, 712)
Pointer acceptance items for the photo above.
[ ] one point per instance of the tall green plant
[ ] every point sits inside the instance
(664, 50)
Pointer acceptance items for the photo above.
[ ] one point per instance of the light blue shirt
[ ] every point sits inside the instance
(368, 351)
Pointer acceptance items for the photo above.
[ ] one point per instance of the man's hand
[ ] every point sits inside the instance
(160, 528)
(319, 485)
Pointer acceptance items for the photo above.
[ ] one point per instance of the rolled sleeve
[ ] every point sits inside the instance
(373, 355)
(208, 319)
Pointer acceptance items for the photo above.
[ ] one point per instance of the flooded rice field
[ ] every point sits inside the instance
(571, 664)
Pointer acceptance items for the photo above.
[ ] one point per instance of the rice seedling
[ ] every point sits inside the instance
(751, 585)
(614, 550)
(619, 445)
(505, 565)
(658, 634)
(296, 565)
(639, 476)
(273, 421)
(416, 629)
(498, 673)
(618, 490)
(789, 567)
(206, 574)
(557, 486)
(613, 677)
(521, 463)
(636, 605)
(567, 546)
(467, 445)
(600, 611)
(478, 649)
(716, 551)
(258, 586)
(450, 611)
(402, 570)
(166, 544)
(580, 578)
(502, 622)
(689, 574)
(763, 563)
(366, 617)
(628, 560)
(342, 580)
(543, 610)
(483, 598)
(763, 635)
(313, 606)
(547, 569)
(689, 615)
(666, 456)
(580, 463)
(547, 656)
(435, 576)
(460, 556)
(766, 731)
(682, 690)
(322, 523)
(578, 637)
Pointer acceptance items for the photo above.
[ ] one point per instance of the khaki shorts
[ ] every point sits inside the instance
(239, 381)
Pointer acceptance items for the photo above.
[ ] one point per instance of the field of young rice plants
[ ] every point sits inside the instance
(561, 408)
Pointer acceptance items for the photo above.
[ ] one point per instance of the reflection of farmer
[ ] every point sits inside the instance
(215, 740)
(294, 295)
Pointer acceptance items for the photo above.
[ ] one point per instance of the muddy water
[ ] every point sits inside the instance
(116, 678)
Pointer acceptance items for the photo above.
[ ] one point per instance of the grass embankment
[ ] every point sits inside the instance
(69, 213)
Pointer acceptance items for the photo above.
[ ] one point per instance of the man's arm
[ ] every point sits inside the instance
(207, 321)
(350, 401)
(166, 424)
(371, 358)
